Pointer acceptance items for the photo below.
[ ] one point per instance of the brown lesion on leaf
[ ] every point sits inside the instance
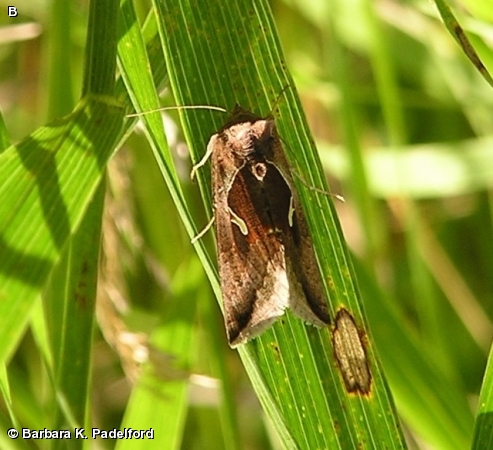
(349, 349)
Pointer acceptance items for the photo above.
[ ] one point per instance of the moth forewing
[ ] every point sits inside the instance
(308, 300)
(251, 269)
(266, 257)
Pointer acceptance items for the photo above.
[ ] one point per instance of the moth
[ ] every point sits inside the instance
(266, 257)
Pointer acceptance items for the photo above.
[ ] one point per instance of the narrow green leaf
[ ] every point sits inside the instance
(4, 135)
(59, 48)
(6, 395)
(483, 431)
(100, 60)
(164, 384)
(227, 54)
(69, 304)
(461, 38)
(433, 407)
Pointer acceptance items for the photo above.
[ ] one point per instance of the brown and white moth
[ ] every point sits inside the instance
(266, 258)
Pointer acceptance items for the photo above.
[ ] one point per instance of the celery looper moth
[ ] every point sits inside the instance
(266, 258)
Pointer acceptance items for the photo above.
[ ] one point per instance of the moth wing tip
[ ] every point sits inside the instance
(237, 336)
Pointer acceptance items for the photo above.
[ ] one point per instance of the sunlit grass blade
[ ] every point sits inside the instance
(48, 180)
(236, 58)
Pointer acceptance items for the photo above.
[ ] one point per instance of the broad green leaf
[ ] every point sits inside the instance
(48, 180)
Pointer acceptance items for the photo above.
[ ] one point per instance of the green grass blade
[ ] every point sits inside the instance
(69, 304)
(461, 38)
(100, 58)
(433, 407)
(483, 431)
(59, 48)
(226, 54)
(160, 399)
(4, 135)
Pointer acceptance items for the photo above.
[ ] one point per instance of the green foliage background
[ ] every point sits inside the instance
(401, 120)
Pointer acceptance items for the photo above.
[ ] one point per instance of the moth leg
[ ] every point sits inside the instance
(205, 230)
(208, 153)
(239, 222)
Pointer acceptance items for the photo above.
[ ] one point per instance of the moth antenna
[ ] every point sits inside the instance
(202, 233)
(330, 194)
(168, 108)
(278, 99)
(313, 188)
(320, 191)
